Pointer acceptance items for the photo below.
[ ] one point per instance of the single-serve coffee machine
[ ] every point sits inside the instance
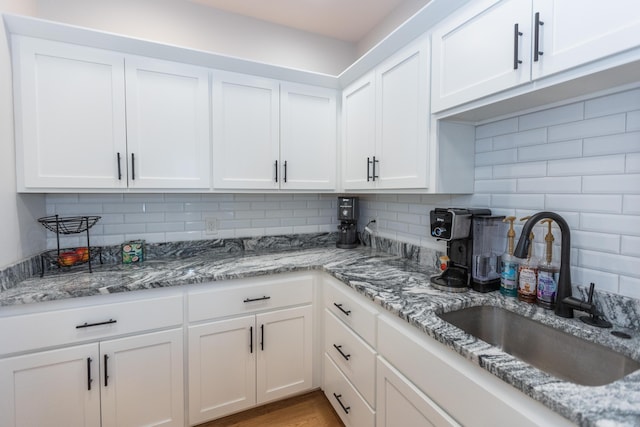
(473, 248)
(348, 217)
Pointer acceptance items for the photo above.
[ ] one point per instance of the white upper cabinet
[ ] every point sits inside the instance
(246, 120)
(494, 45)
(70, 115)
(386, 122)
(483, 49)
(167, 124)
(75, 130)
(307, 137)
(574, 32)
(270, 135)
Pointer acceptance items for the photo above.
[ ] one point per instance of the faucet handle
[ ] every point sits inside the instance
(590, 294)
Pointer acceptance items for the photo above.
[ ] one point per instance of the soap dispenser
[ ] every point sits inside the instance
(528, 274)
(509, 264)
(548, 273)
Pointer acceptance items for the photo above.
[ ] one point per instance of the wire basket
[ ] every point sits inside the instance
(68, 224)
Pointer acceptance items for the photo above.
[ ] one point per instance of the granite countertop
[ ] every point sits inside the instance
(399, 285)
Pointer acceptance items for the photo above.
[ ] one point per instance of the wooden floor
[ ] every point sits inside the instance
(309, 410)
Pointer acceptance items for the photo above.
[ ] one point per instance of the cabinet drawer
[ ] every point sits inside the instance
(348, 404)
(58, 327)
(352, 355)
(249, 295)
(358, 315)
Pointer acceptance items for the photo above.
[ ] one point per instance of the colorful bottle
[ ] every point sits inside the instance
(548, 274)
(509, 264)
(528, 274)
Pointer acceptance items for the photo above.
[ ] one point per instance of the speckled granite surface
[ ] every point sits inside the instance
(398, 284)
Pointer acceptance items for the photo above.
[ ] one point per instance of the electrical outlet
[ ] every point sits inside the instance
(211, 225)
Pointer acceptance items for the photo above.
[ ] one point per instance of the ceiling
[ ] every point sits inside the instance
(348, 20)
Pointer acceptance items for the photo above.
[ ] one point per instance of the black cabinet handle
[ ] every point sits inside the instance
(119, 169)
(536, 38)
(133, 167)
(251, 339)
(263, 298)
(262, 337)
(368, 165)
(285, 171)
(344, 408)
(374, 168)
(89, 379)
(346, 312)
(516, 40)
(89, 325)
(106, 370)
(276, 171)
(339, 348)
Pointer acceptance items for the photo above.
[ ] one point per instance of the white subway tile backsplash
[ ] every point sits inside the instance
(552, 116)
(617, 224)
(584, 203)
(551, 151)
(620, 184)
(497, 128)
(520, 139)
(484, 145)
(495, 186)
(496, 157)
(518, 201)
(604, 281)
(612, 144)
(481, 172)
(588, 128)
(142, 218)
(631, 204)
(633, 162)
(612, 104)
(613, 263)
(630, 245)
(520, 170)
(630, 287)
(164, 226)
(595, 241)
(587, 166)
(570, 184)
(633, 121)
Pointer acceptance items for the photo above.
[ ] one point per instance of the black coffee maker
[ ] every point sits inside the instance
(348, 217)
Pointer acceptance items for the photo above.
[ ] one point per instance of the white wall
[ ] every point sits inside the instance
(581, 160)
(21, 235)
(192, 25)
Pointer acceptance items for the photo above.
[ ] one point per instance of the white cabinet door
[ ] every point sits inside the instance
(246, 134)
(308, 137)
(575, 32)
(70, 115)
(402, 119)
(167, 124)
(358, 133)
(400, 403)
(51, 388)
(142, 380)
(476, 52)
(285, 352)
(222, 368)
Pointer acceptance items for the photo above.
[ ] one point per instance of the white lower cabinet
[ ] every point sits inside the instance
(345, 399)
(132, 381)
(262, 354)
(400, 403)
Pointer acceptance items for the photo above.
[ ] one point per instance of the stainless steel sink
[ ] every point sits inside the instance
(555, 352)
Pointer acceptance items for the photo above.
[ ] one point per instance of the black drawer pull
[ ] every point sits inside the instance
(536, 38)
(251, 339)
(262, 337)
(106, 370)
(339, 348)
(346, 312)
(257, 299)
(89, 325)
(344, 408)
(516, 41)
(119, 168)
(89, 379)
